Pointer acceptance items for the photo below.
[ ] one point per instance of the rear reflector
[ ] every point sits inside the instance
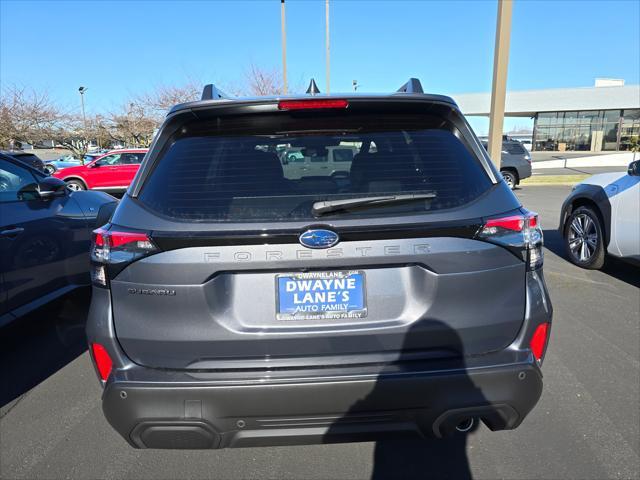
(311, 104)
(103, 361)
(539, 341)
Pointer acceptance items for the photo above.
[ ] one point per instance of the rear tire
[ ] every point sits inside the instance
(510, 178)
(75, 185)
(584, 239)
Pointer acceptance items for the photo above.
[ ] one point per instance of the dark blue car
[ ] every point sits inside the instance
(45, 232)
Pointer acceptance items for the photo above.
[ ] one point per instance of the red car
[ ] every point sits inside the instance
(111, 172)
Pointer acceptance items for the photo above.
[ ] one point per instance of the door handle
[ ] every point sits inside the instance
(11, 232)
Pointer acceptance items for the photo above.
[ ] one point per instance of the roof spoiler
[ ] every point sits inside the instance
(412, 86)
(211, 92)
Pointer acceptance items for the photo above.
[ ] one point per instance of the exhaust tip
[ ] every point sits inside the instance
(466, 425)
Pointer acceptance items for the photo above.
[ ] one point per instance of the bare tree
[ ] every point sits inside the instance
(157, 102)
(7, 131)
(100, 129)
(261, 81)
(26, 116)
(133, 127)
(75, 135)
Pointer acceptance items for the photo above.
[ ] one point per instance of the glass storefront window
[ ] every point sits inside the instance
(631, 114)
(546, 118)
(592, 117)
(630, 128)
(610, 140)
(570, 118)
(611, 116)
(586, 130)
(583, 138)
(545, 139)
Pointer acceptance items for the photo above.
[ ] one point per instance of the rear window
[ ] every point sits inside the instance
(343, 155)
(275, 167)
(514, 148)
(29, 159)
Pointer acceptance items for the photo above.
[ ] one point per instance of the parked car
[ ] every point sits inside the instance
(526, 143)
(27, 158)
(45, 233)
(112, 172)
(234, 305)
(601, 216)
(66, 161)
(515, 162)
(332, 161)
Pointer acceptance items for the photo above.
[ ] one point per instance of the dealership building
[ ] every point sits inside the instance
(604, 117)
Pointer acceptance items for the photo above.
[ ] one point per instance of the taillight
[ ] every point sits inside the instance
(113, 249)
(520, 233)
(102, 360)
(539, 341)
(514, 223)
(312, 104)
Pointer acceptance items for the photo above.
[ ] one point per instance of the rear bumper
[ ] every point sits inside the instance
(162, 408)
(524, 171)
(204, 414)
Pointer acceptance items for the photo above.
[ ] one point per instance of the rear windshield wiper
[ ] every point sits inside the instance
(320, 208)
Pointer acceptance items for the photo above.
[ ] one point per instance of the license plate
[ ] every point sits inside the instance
(321, 295)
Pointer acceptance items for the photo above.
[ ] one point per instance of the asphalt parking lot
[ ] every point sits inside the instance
(586, 426)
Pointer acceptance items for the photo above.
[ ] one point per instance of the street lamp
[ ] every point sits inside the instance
(84, 117)
(326, 35)
(284, 47)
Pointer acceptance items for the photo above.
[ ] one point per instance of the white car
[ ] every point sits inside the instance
(602, 216)
(333, 161)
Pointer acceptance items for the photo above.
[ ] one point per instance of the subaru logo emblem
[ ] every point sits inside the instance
(319, 238)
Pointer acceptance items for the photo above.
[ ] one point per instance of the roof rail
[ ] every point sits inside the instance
(412, 86)
(210, 92)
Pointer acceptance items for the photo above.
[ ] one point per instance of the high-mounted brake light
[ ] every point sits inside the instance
(312, 104)
(103, 361)
(539, 341)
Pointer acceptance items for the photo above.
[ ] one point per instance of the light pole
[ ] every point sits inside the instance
(327, 46)
(84, 117)
(284, 47)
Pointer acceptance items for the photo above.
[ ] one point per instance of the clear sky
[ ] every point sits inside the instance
(119, 49)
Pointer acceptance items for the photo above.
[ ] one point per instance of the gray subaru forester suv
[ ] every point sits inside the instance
(234, 306)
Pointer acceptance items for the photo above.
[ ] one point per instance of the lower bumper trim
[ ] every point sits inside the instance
(212, 416)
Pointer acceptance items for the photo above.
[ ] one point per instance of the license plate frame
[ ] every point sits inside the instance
(355, 308)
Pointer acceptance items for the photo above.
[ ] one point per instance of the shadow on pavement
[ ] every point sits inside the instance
(619, 269)
(401, 407)
(422, 458)
(36, 346)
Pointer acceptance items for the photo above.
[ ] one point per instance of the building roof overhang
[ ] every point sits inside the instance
(526, 103)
